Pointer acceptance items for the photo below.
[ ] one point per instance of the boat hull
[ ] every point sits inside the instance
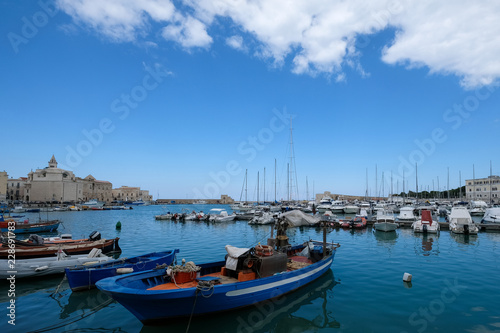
(385, 226)
(86, 278)
(46, 266)
(28, 228)
(151, 306)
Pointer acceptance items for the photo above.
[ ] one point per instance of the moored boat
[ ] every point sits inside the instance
(491, 215)
(426, 224)
(23, 227)
(461, 221)
(25, 250)
(385, 220)
(55, 264)
(82, 278)
(248, 276)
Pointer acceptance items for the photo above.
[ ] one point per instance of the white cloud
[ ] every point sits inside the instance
(236, 42)
(319, 36)
(189, 32)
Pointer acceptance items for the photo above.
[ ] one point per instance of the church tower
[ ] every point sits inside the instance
(53, 162)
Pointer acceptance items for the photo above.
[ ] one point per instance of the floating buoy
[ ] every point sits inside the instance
(118, 225)
(407, 277)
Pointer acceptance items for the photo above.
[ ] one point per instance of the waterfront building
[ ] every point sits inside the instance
(3, 185)
(53, 184)
(15, 188)
(226, 199)
(130, 193)
(97, 189)
(485, 189)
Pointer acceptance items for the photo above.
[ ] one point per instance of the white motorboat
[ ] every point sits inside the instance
(51, 265)
(491, 215)
(461, 221)
(93, 203)
(426, 224)
(241, 206)
(18, 209)
(406, 214)
(337, 207)
(385, 221)
(478, 208)
(220, 215)
(262, 218)
(351, 209)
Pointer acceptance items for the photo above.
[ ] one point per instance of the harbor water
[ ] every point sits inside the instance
(454, 285)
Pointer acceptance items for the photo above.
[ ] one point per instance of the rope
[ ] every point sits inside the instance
(192, 310)
(59, 286)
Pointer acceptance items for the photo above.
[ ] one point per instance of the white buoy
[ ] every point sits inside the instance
(407, 277)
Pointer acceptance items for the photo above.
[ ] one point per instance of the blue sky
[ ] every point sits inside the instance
(182, 97)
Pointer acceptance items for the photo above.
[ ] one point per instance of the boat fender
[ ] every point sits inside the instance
(124, 270)
(41, 268)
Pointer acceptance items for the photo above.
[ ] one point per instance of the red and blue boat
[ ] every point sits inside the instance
(247, 276)
(18, 226)
(83, 278)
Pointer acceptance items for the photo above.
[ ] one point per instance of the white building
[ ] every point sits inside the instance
(485, 189)
(16, 188)
(53, 184)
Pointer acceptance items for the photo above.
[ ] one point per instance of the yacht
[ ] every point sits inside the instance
(426, 224)
(491, 215)
(93, 203)
(461, 221)
(385, 220)
(406, 214)
(351, 209)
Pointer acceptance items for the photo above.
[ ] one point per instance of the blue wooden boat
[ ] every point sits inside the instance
(83, 278)
(25, 227)
(248, 276)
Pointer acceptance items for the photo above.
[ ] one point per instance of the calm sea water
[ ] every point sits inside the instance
(455, 284)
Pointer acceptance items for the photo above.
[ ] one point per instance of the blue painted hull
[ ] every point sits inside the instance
(33, 229)
(86, 277)
(150, 306)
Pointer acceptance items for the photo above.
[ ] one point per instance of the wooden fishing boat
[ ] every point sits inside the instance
(246, 277)
(24, 250)
(48, 265)
(83, 278)
(25, 227)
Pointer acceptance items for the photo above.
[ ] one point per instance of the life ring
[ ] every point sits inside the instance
(263, 250)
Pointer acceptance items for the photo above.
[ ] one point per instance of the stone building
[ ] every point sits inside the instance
(3, 185)
(53, 184)
(485, 189)
(97, 189)
(15, 188)
(129, 193)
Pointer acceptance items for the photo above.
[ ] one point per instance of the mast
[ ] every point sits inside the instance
(403, 184)
(274, 180)
(258, 188)
(439, 189)
(376, 181)
(246, 183)
(307, 190)
(416, 181)
(473, 182)
(491, 179)
(460, 183)
(264, 186)
(448, 183)
(288, 181)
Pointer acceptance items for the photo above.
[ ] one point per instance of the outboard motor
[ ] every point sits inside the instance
(425, 229)
(95, 236)
(36, 239)
(466, 229)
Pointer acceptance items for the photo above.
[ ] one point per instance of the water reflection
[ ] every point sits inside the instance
(426, 245)
(385, 238)
(465, 239)
(307, 309)
(81, 303)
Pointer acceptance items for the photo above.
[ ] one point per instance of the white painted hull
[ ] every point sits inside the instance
(385, 226)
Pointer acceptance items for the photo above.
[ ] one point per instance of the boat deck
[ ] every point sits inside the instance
(296, 262)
